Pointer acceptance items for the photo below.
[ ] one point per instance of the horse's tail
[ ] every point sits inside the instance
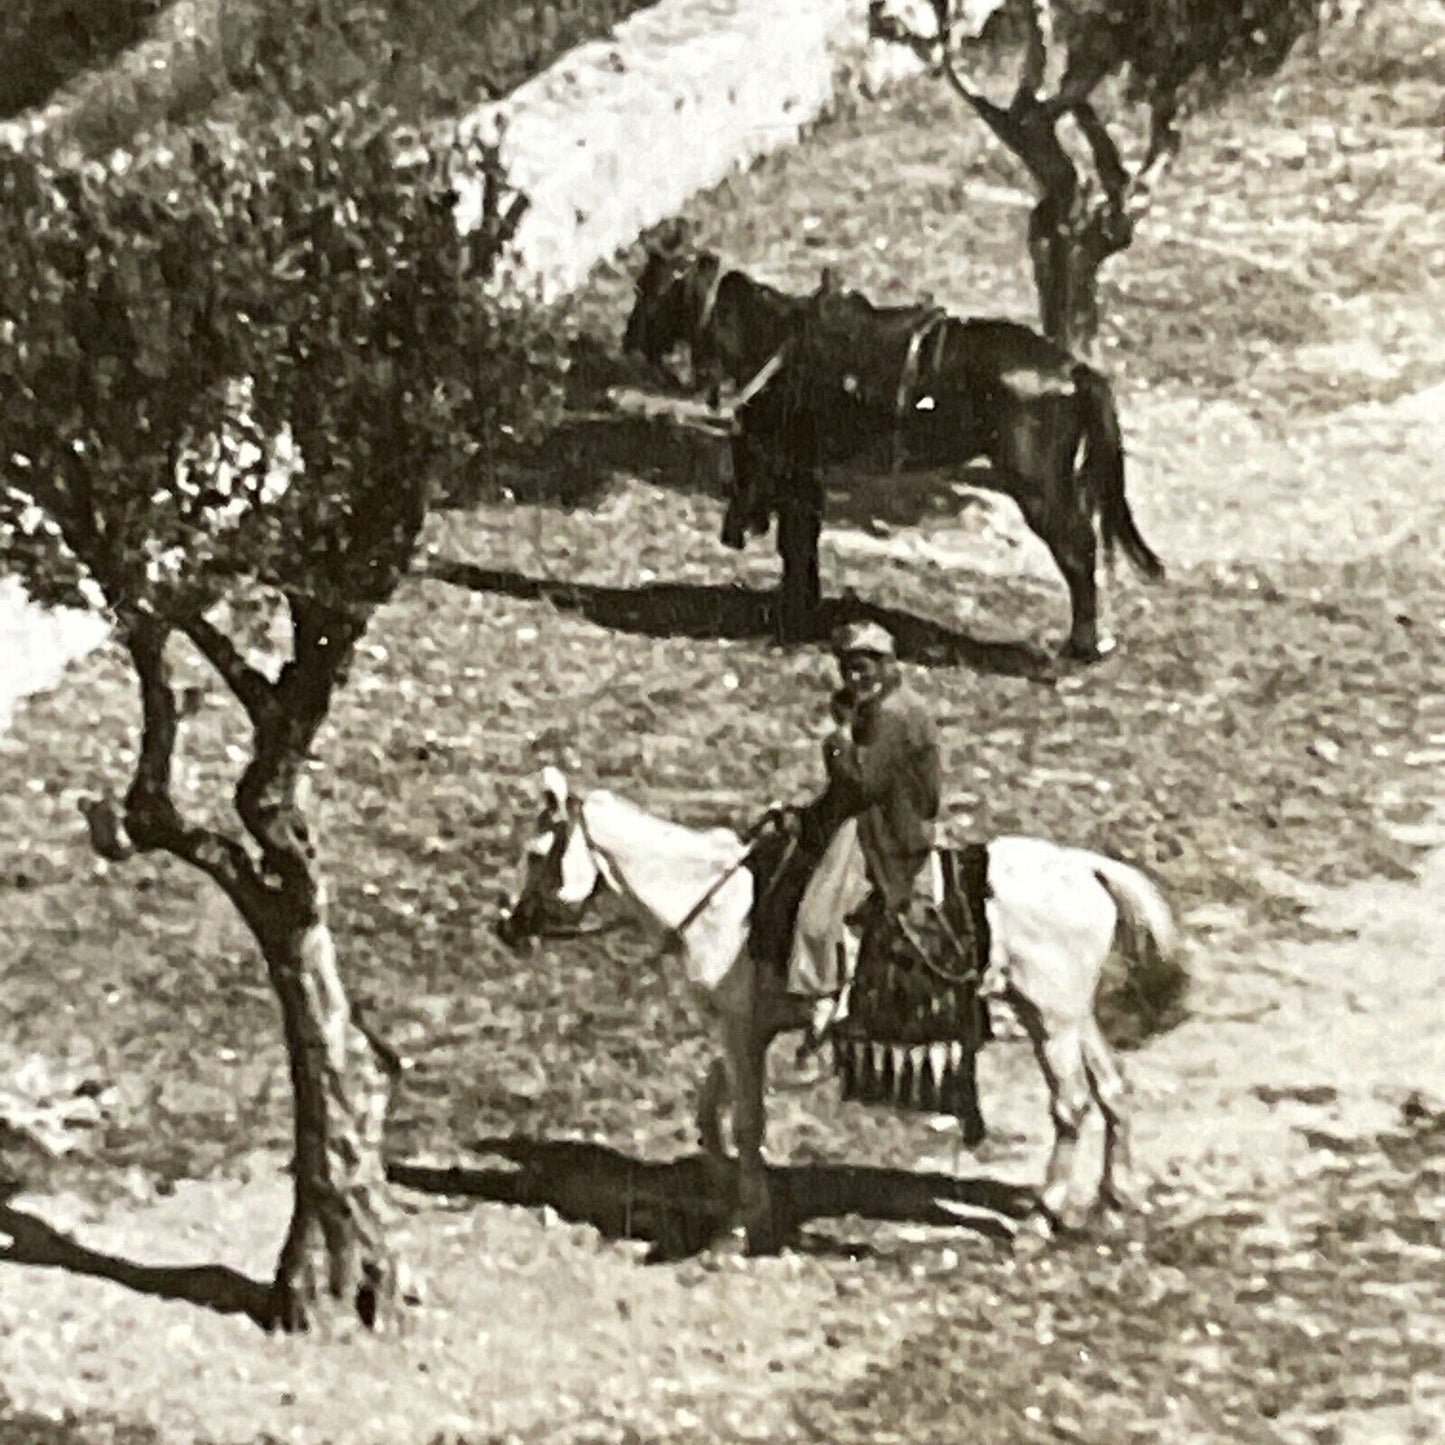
(1102, 472)
(1146, 929)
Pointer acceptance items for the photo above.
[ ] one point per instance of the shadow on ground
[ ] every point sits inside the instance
(737, 612)
(626, 417)
(212, 1286)
(678, 1207)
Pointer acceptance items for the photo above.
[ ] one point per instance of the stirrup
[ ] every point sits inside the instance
(812, 1042)
(816, 1035)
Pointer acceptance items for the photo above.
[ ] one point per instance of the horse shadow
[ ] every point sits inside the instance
(212, 1286)
(580, 459)
(678, 1207)
(736, 612)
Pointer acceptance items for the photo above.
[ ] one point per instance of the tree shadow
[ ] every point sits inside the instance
(679, 1206)
(212, 1286)
(578, 462)
(625, 418)
(736, 612)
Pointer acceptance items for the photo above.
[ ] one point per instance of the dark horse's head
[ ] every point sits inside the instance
(775, 430)
(672, 297)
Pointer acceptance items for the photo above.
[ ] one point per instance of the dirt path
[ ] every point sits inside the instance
(532, 1320)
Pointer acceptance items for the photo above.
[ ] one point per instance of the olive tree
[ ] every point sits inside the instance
(1172, 54)
(232, 372)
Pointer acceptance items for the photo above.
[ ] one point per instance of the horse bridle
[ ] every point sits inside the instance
(607, 865)
(548, 929)
(709, 301)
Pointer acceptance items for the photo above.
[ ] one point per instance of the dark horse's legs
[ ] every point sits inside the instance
(800, 524)
(1067, 530)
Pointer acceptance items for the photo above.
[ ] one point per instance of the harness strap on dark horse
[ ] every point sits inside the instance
(929, 326)
(709, 302)
(765, 374)
(932, 325)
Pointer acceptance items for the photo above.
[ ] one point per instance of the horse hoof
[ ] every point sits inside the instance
(728, 1248)
(1088, 653)
(763, 1237)
(1072, 1219)
(1121, 1199)
(1034, 1235)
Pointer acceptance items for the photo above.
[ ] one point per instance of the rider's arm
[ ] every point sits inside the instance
(863, 776)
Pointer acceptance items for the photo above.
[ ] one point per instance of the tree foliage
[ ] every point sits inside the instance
(244, 361)
(44, 43)
(233, 371)
(127, 66)
(1171, 53)
(1192, 47)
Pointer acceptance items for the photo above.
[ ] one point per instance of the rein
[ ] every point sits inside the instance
(709, 302)
(944, 975)
(765, 374)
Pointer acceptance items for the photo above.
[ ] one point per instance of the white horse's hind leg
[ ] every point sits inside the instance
(1061, 1057)
(1116, 1186)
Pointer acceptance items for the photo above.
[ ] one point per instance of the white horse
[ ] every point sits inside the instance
(1054, 914)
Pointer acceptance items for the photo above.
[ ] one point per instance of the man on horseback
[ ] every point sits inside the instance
(875, 816)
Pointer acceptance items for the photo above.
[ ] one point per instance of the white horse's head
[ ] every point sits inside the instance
(691, 882)
(559, 874)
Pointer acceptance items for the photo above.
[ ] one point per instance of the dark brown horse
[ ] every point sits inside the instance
(929, 391)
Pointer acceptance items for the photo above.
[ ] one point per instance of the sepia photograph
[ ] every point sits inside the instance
(722, 722)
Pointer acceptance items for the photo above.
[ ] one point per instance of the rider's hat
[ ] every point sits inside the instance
(867, 638)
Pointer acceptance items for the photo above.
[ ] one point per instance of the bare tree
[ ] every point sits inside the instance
(1174, 53)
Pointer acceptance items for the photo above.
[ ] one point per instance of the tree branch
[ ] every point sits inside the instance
(1109, 164)
(1036, 51)
(1164, 143)
(323, 641)
(253, 689)
(1026, 125)
(152, 820)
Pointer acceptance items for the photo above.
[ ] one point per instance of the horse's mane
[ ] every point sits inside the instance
(721, 844)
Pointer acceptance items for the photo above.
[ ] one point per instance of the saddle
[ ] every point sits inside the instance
(874, 354)
(780, 871)
(915, 1018)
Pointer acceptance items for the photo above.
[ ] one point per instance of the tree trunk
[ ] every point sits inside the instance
(1067, 246)
(336, 1262)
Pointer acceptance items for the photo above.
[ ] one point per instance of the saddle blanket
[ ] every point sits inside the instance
(914, 1018)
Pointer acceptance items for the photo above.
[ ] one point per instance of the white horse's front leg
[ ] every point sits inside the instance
(747, 1054)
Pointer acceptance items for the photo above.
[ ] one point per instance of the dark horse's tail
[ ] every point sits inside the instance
(1102, 472)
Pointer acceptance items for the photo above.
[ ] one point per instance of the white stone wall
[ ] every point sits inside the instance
(618, 134)
(37, 646)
